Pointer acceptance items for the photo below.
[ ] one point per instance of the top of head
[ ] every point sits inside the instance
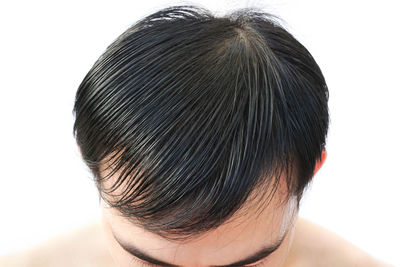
(193, 112)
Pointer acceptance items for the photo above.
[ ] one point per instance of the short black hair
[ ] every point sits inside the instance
(195, 111)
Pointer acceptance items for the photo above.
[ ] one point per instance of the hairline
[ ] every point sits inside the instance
(259, 254)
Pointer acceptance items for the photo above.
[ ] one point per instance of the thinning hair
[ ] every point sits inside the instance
(194, 112)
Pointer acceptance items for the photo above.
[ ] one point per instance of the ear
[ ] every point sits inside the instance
(79, 149)
(319, 164)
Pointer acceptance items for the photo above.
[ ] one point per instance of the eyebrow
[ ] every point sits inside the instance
(257, 256)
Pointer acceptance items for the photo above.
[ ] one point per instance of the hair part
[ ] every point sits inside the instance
(195, 112)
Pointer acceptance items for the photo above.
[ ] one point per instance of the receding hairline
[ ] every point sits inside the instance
(261, 198)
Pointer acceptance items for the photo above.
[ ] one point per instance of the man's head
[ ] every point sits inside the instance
(202, 133)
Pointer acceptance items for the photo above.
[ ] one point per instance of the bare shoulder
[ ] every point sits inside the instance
(314, 245)
(82, 247)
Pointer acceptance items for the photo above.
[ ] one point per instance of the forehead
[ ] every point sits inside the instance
(251, 228)
(242, 235)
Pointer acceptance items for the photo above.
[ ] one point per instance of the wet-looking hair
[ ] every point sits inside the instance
(193, 112)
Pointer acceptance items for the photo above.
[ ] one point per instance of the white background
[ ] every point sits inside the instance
(47, 47)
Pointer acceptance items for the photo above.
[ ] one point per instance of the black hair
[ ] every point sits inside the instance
(194, 112)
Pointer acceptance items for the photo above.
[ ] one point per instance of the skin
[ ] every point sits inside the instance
(228, 243)
(236, 239)
(305, 244)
